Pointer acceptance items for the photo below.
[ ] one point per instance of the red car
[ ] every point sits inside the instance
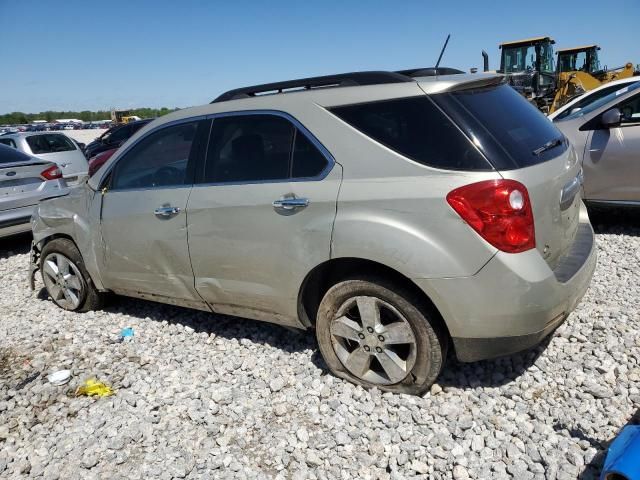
(100, 159)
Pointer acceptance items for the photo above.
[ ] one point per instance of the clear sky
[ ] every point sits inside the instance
(90, 54)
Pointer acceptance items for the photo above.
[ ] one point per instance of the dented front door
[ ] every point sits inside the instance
(145, 242)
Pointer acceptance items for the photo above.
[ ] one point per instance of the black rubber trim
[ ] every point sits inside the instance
(577, 256)
(474, 349)
(15, 221)
(339, 80)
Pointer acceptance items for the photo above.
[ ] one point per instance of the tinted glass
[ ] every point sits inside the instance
(137, 126)
(158, 160)
(8, 141)
(249, 148)
(119, 135)
(307, 159)
(11, 155)
(417, 129)
(604, 100)
(49, 143)
(503, 125)
(587, 100)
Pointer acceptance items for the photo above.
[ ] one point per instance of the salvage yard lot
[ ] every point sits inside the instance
(202, 396)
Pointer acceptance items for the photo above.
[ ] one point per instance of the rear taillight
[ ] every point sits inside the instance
(51, 173)
(499, 210)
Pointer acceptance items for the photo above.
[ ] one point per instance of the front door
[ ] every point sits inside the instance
(261, 216)
(143, 221)
(612, 158)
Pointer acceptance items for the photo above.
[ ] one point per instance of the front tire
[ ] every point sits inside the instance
(371, 334)
(66, 279)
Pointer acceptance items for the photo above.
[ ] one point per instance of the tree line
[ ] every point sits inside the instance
(16, 118)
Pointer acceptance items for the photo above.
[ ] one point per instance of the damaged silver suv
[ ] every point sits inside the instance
(397, 215)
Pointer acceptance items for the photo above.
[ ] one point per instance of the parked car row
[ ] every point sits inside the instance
(46, 127)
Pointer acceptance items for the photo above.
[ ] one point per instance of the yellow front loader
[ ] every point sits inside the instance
(578, 70)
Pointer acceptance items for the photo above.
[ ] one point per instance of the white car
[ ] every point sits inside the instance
(590, 96)
(52, 147)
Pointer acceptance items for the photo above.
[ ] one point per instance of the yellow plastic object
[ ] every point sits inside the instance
(94, 387)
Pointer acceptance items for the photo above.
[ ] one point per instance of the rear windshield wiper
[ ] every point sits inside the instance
(547, 146)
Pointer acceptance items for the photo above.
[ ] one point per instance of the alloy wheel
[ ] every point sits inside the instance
(63, 280)
(373, 340)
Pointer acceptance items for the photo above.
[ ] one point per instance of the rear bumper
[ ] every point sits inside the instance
(16, 220)
(514, 301)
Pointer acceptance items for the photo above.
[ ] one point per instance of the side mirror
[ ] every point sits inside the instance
(611, 118)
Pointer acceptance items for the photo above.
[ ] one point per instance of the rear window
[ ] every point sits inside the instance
(8, 141)
(507, 128)
(11, 155)
(416, 128)
(50, 143)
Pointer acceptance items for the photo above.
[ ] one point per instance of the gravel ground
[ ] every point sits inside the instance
(203, 396)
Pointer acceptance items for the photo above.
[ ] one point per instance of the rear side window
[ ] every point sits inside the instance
(8, 141)
(249, 148)
(258, 148)
(49, 143)
(506, 127)
(417, 129)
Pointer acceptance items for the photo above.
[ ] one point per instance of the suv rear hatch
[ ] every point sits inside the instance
(523, 145)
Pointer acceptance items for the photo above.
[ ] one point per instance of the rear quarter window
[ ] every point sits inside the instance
(506, 127)
(52, 143)
(8, 141)
(417, 129)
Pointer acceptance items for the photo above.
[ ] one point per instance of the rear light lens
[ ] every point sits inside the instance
(499, 210)
(51, 173)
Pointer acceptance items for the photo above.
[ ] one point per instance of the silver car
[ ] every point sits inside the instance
(24, 181)
(606, 135)
(52, 147)
(394, 215)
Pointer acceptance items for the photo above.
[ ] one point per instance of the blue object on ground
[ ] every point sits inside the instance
(623, 458)
(126, 332)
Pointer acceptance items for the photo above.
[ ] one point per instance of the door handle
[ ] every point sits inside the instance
(291, 203)
(166, 211)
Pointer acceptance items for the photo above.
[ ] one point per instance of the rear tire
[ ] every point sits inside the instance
(394, 345)
(66, 279)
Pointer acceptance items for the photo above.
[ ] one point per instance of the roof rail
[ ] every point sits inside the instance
(429, 72)
(340, 80)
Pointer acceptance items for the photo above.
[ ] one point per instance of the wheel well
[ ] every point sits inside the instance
(55, 236)
(327, 274)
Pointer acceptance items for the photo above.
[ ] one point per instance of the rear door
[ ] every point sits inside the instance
(261, 216)
(143, 216)
(612, 157)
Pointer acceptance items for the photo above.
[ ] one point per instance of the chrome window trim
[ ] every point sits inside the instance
(124, 152)
(299, 126)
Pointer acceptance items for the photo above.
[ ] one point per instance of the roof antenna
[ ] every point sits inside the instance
(442, 52)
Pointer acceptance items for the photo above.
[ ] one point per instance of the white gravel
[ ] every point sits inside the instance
(203, 396)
